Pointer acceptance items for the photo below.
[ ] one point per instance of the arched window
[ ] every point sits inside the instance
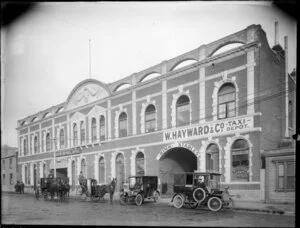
(226, 101)
(83, 167)
(183, 111)
(212, 158)
(48, 144)
(25, 148)
(120, 171)
(101, 170)
(102, 128)
(94, 128)
(140, 164)
(123, 125)
(62, 138)
(75, 134)
(35, 142)
(240, 160)
(150, 118)
(82, 133)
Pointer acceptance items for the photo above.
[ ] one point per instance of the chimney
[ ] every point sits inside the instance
(276, 33)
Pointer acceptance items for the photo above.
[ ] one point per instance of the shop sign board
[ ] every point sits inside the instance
(209, 129)
(68, 152)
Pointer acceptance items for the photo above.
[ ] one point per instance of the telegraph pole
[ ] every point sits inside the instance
(90, 58)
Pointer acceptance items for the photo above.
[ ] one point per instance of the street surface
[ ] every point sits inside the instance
(26, 209)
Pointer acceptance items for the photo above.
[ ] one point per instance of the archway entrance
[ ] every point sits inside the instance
(175, 160)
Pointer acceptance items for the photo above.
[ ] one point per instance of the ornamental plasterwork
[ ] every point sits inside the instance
(173, 105)
(217, 86)
(87, 94)
(142, 114)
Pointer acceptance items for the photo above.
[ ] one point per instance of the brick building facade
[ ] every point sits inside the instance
(218, 113)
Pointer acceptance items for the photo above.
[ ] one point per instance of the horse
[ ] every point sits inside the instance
(19, 187)
(110, 188)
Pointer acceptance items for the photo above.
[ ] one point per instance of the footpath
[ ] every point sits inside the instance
(249, 206)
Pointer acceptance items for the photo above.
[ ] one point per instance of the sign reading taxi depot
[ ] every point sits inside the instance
(209, 129)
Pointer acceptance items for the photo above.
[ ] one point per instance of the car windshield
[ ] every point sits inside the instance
(133, 181)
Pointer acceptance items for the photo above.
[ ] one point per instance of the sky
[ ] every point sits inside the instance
(45, 53)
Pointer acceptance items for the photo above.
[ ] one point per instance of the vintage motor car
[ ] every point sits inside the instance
(139, 189)
(193, 189)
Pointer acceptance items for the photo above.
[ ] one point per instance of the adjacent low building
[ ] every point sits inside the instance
(9, 168)
(220, 112)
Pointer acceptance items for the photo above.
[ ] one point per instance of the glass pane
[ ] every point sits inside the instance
(150, 108)
(280, 170)
(227, 88)
(280, 183)
(240, 144)
(183, 100)
(226, 98)
(150, 116)
(291, 168)
(291, 181)
(208, 162)
(222, 111)
(231, 109)
(212, 148)
(183, 117)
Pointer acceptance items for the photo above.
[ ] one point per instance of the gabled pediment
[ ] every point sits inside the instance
(78, 116)
(96, 110)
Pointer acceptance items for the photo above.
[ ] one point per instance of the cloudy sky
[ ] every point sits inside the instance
(45, 53)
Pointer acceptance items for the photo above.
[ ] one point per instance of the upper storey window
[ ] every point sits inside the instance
(123, 125)
(48, 142)
(75, 134)
(226, 101)
(82, 133)
(62, 138)
(94, 128)
(25, 147)
(102, 128)
(150, 118)
(35, 142)
(183, 111)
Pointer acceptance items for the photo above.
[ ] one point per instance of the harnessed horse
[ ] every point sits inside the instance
(110, 188)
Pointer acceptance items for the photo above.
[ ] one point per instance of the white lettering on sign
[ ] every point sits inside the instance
(68, 152)
(184, 145)
(209, 129)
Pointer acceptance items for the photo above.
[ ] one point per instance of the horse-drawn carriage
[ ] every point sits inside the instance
(139, 189)
(190, 191)
(98, 191)
(51, 187)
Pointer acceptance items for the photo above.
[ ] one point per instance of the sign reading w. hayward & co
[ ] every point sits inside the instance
(209, 129)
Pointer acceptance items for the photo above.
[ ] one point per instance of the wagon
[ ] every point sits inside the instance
(188, 193)
(140, 188)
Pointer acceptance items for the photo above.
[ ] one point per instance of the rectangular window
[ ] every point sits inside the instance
(11, 179)
(3, 179)
(10, 163)
(285, 176)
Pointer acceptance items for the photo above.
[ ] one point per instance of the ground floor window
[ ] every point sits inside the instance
(3, 178)
(240, 161)
(11, 179)
(140, 166)
(285, 176)
(101, 170)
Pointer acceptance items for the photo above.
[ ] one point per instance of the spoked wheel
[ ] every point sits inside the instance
(214, 204)
(178, 201)
(199, 194)
(156, 196)
(138, 200)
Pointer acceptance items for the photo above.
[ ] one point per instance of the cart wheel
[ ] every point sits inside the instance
(156, 196)
(95, 198)
(138, 199)
(214, 204)
(178, 201)
(192, 205)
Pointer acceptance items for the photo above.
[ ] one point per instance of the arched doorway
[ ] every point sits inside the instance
(120, 174)
(175, 160)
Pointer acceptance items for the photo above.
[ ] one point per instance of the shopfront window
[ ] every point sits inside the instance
(212, 158)
(240, 160)
(226, 101)
(140, 164)
(183, 111)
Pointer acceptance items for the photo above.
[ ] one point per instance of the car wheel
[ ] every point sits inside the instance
(138, 200)
(178, 201)
(156, 196)
(214, 204)
(199, 195)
